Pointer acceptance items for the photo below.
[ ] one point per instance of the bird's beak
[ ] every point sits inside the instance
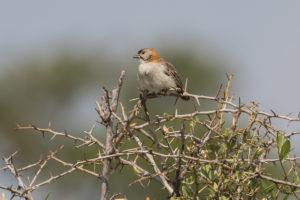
(137, 56)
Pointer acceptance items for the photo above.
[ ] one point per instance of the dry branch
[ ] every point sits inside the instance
(188, 154)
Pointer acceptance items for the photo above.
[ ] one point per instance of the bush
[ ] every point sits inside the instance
(227, 152)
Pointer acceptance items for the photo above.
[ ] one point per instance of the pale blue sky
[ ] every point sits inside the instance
(262, 38)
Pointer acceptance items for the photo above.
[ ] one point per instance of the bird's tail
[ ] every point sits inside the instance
(185, 98)
(182, 96)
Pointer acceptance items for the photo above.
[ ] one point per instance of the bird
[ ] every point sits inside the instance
(157, 75)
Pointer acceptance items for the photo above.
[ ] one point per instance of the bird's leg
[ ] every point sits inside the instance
(145, 93)
(164, 91)
(143, 96)
(179, 90)
(148, 94)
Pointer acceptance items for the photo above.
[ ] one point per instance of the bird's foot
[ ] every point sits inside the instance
(164, 91)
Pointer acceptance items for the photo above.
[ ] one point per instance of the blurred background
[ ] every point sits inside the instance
(55, 56)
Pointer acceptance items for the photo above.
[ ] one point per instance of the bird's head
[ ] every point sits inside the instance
(147, 55)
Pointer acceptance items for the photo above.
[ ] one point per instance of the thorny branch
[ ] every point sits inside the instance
(189, 154)
(111, 107)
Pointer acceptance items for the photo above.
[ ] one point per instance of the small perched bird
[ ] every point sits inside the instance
(155, 74)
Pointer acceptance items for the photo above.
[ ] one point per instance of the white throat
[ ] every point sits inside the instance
(142, 61)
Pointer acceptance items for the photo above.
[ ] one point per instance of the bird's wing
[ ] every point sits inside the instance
(171, 71)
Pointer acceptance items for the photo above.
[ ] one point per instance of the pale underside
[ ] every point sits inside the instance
(151, 76)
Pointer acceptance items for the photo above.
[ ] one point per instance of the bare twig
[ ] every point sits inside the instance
(212, 153)
(109, 137)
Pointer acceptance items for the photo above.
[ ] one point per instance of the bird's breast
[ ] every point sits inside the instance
(153, 78)
(150, 71)
(148, 68)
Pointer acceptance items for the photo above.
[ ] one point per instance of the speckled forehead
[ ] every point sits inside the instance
(140, 51)
(144, 50)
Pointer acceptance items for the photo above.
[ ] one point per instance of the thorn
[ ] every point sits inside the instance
(198, 102)
(227, 75)
(275, 115)
(52, 137)
(33, 126)
(12, 155)
(186, 83)
(135, 99)
(219, 90)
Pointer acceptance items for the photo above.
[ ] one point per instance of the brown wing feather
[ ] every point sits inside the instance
(171, 71)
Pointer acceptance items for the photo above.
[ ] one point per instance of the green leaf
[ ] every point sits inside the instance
(225, 146)
(268, 187)
(211, 191)
(286, 189)
(172, 119)
(279, 141)
(213, 147)
(185, 191)
(296, 178)
(232, 143)
(273, 194)
(190, 180)
(165, 115)
(226, 133)
(258, 153)
(192, 124)
(24, 193)
(224, 197)
(46, 198)
(208, 171)
(219, 171)
(174, 198)
(286, 147)
(215, 186)
(286, 197)
(253, 183)
(249, 135)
